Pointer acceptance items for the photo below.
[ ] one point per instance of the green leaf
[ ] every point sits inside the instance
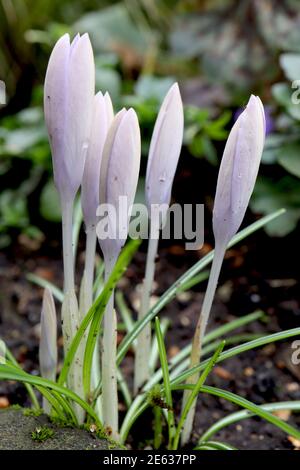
(112, 29)
(187, 276)
(269, 197)
(49, 203)
(109, 80)
(8, 372)
(195, 392)
(214, 445)
(94, 316)
(166, 378)
(245, 414)
(282, 94)
(289, 157)
(256, 343)
(242, 402)
(290, 62)
(149, 87)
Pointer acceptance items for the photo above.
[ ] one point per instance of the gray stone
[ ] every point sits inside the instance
(16, 434)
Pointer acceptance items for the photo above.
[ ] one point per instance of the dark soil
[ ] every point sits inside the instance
(250, 280)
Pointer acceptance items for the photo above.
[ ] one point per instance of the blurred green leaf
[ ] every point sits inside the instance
(49, 203)
(109, 80)
(112, 29)
(289, 157)
(150, 87)
(269, 196)
(290, 62)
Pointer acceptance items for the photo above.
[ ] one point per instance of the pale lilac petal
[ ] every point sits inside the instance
(68, 98)
(165, 149)
(91, 175)
(109, 109)
(120, 171)
(238, 170)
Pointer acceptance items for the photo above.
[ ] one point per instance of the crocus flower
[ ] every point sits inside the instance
(118, 179)
(237, 176)
(68, 103)
(164, 149)
(101, 120)
(119, 176)
(68, 99)
(163, 157)
(238, 170)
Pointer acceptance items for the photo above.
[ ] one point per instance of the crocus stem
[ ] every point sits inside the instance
(47, 407)
(89, 267)
(109, 367)
(86, 301)
(68, 258)
(142, 372)
(199, 334)
(70, 311)
(68, 261)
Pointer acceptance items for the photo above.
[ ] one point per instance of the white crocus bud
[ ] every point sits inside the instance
(238, 170)
(118, 183)
(236, 180)
(165, 149)
(163, 157)
(118, 180)
(68, 100)
(48, 341)
(101, 121)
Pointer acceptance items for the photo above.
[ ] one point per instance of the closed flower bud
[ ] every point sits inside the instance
(118, 178)
(238, 170)
(68, 99)
(48, 339)
(165, 149)
(101, 120)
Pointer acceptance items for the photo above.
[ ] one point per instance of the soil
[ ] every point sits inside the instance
(22, 432)
(260, 273)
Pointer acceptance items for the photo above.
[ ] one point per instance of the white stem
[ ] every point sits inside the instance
(70, 311)
(47, 407)
(89, 267)
(86, 301)
(68, 257)
(143, 349)
(198, 337)
(109, 367)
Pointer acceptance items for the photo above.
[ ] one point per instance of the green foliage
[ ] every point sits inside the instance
(42, 433)
(201, 132)
(282, 150)
(32, 412)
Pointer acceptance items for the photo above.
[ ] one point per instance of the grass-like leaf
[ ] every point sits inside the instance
(195, 392)
(28, 387)
(123, 261)
(214, 445)
(248, 405)
(244, 414)
(10, 372)
(166, 379)
(95, 314)
(256, 343)
(187, 276)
